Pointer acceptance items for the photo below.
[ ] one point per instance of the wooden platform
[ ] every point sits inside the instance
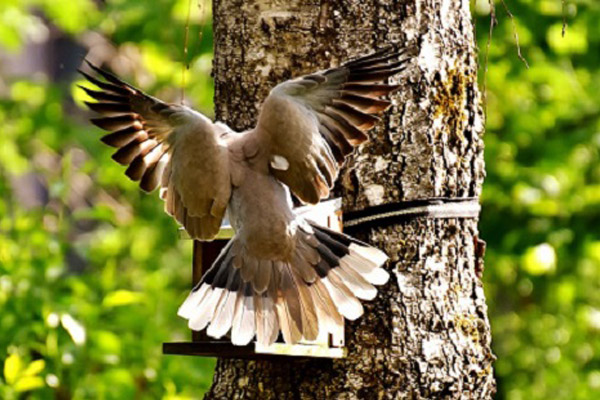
(224, 349)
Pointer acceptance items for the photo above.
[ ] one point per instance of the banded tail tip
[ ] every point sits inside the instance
(377, 277)
(189, 305)
(326, 280)
(370, 253)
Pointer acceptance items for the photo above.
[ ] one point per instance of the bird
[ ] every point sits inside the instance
(281, 276)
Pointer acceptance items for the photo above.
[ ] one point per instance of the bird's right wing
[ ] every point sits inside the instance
(166, 145)
(311, 123)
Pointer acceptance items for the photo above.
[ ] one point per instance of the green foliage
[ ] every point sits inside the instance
(541, 198)
(92, 272)
(91, 277)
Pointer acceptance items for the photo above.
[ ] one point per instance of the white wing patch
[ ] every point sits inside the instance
(280, 163)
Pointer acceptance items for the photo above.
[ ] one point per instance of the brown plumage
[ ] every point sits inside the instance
(152, 137)
(280, 273)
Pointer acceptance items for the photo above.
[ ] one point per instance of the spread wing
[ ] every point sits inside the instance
(168, 146)
(310, 124)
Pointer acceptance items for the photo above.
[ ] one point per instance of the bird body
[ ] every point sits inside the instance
(280, 273)
(273, 233)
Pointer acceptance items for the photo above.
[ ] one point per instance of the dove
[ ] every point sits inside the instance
(281, 275)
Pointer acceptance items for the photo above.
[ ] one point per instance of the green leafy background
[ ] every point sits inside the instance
(92, 271)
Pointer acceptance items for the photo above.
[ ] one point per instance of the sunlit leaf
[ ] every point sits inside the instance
(13, 367)
(26, 383)
(34, 368)
(122, 298)
(540, 260)
(575, 42)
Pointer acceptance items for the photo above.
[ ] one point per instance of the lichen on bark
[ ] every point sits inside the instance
(427, 334)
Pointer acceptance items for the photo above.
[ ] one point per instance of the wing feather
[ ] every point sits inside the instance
(168, 146)
(315, 121)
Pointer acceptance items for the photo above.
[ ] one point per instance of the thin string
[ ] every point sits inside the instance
(185, 65)
(202, 20)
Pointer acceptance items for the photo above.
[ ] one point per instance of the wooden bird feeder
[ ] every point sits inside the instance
(327, 344)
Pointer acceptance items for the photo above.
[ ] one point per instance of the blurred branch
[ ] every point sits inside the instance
(515, 33)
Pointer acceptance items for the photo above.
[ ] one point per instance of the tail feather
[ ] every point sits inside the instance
(310, 322)
(377, 276)
(263, 276)
(223, 315)
(267, 325)
(222, 318)
(307, 252)
(370, 255)
(204, 311)
(329, 315)
(359, 264)
(190, 304)
(347, 304)
(355, 282)
(322, 283)
(291, 302)
(244, 326)
(249, 269)
(307, 272)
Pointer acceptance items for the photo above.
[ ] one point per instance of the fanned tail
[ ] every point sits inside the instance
(322, 283)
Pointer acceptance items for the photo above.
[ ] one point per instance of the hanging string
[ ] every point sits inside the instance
(186, 64)
(202, 20)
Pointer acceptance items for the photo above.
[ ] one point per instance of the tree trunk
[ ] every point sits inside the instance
(427, 334)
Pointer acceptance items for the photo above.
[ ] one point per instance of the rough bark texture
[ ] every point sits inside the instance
(426, 336)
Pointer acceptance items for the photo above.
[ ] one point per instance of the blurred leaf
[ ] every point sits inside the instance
(540, 260)
(34, 368)
(122, 298)
(75, 329)
(12, 368)
(28, 383)
(574, 42)
(108, 342)
(72, 16)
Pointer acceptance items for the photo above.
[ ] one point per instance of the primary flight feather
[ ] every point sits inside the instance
(280, 272)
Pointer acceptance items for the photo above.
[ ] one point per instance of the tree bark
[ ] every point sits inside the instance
(426, 336)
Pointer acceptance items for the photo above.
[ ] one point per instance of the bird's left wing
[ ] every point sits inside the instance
(310, 124)
(166, 145)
